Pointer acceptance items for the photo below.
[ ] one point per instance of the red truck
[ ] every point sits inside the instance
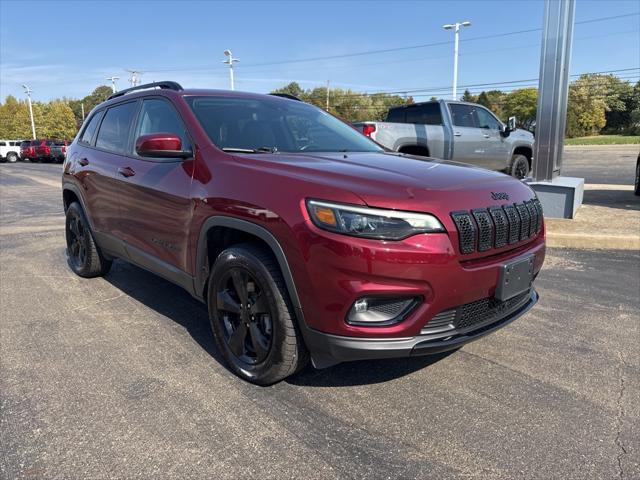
(304, 238)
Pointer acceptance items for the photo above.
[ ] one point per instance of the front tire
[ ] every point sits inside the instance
(251, 316)
(84, 256)
(519, 167)
(12, 157)
(636, 188)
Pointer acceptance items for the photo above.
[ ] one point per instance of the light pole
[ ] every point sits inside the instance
(113, 83)
(28, 91)
(230, 61)
(456, 28)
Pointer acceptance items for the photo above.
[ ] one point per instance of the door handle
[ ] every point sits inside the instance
(486, 136)
(457, 134)
(126, 171)
(83, 162)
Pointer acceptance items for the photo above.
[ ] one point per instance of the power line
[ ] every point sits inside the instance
(396, 49)
(490, 84)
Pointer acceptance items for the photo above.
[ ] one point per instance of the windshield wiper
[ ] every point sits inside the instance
(251, 150)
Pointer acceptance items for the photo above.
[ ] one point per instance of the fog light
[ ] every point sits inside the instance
(381, 311)
(361, 305)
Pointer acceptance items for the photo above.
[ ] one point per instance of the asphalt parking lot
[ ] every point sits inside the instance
(119, 377)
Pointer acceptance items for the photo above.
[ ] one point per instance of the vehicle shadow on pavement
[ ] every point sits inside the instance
(166, 299)
(366, 372)
(622, 199)
(177, 305)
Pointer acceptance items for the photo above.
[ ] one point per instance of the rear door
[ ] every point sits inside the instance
(498, 149)
(426, 119)
(101, 149)
(155, 200)
(470, 142)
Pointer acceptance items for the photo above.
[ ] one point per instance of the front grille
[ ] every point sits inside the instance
(481, 311)
(486, 228)
(473, 315)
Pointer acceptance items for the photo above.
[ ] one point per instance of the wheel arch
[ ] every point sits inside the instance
(414, 149)
(236, 231)
(525, 150)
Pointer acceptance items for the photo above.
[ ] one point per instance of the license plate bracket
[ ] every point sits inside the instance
(515, 278)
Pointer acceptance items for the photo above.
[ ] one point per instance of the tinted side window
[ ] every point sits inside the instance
(486, 120)
(114, 130)
(395, 115)
(427, 114)
(463, 115)
(3, 144)
(90, 129)
(158, 116)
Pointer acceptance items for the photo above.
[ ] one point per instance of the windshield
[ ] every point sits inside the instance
(275, 125)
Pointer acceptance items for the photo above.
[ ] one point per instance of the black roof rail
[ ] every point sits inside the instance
(166, 84)
(286, 95)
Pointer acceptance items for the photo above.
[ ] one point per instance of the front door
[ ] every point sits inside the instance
(470, 143)
(155, 202)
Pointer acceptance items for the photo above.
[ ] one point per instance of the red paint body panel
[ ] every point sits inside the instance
(161, 210)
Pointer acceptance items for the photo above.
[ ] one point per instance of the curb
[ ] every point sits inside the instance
(591, 242)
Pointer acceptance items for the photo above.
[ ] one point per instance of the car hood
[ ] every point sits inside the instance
(392, 180)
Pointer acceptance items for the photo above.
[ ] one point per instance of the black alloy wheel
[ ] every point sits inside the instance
(245, 316)
(77, 242)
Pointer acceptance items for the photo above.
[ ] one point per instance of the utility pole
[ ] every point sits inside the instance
(456, 28)
(134, 79)
(82, 108)
(28, 91)
(113, 83)
(327, 95)
(230, 61)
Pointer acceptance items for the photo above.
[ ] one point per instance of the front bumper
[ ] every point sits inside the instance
(327, 349)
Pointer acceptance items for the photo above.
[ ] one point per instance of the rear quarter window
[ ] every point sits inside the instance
(396, 115)
(86, 137)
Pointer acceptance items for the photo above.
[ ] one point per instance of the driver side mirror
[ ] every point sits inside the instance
(161, 145)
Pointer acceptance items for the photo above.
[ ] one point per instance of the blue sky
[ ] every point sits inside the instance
(70, 47)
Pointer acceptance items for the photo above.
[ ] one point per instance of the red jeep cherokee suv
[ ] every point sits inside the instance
(303, 237)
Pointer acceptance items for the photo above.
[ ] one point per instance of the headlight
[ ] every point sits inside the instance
(370, 222)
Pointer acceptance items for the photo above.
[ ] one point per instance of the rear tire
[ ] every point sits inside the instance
(636, 188)
(251, 316)
(12, 157)
(84, 256)
(519, 167)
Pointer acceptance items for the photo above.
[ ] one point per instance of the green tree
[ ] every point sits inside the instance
(292, 89)
(622, 100)
(494, 100)
(587, 106)
(523, 104)
(59, 121)
(15, 121)
(99, 95)
(468, 97)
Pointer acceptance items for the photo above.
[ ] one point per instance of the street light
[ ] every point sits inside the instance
(28, 91)
(456, 28)
(230, 61)
(113, 82)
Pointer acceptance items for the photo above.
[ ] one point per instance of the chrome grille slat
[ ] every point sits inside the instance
(514, 223)
(485, 229)
(482, 229)
(533, 214)
(466, 231)
(525, 220)
(501, 224)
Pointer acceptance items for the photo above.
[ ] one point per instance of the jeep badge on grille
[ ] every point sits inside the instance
(500, 195)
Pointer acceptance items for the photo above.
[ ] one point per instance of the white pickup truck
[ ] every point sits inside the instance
(10, 150)
(452, 130)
